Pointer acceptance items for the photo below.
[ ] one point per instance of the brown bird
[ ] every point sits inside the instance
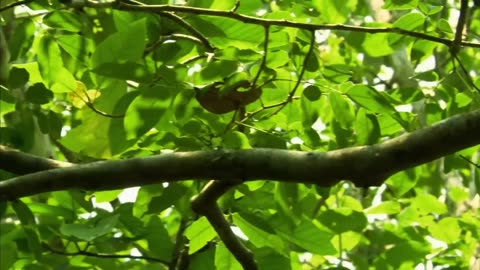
(220, 102)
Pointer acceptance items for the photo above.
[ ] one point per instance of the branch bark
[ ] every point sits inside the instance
(363, 165)
(285, 23)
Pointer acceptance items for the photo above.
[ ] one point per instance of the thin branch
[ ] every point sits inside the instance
(300, 75)
(180, 251)
(264, 58)
(286, 23)
(69, 155)
(462, 18)
(236, 6)
(162, 39)
(469, 161)
(102, 113)
(14, 4)
(179, 20)
(173, 17)
(304, 66)
(465, 73)
(105, 256)
(194, 58)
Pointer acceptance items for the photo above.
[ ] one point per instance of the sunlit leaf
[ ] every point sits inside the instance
(123, 46)
(199, 234)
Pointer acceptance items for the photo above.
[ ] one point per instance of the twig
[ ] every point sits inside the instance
(14, 4)
(286, 23)
(462, 18)
(236, 6)
(469, 161)
(300, 75)
(103, 255)
(173, 17)
(179, 20)
(466, 73)
(180, 251)
(90, 105)
(162, 39)
(264, 58)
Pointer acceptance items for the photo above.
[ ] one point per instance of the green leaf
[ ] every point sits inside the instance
(312, 92)
(429, 76)
(286, 195)
(147, 109)
(65, 20)
(446, 230)
(347, 241)
(38, 94)
(159, 242)
(24, 213)
(269, 258)
(341, 220)
(277, 59)
(123, 46)
(426, 203)
(87, 232)
(224, 259)
(51, 210)
(410, 21)
(33, 70)
(444, 26)
(402, 182)
(373, 101)
(378, 45)
(200, 232)
(7, 97)
(408, 254)
(236, 140)
(27, 219)
(217, 70)
(458, 194)
(313, 64)
(65, 83)
(304, 234)
(366, 128)
(341, 109)
(313, 239)
(429, 9)
(335, 11)
(388, 207)
(125, 71)
(257, 236)
(18, 78)
(224, 32)
(77, 46)
(169, 197)
(49, 60)
(400, 4)
(203, 260)
(8, 255)
(107, 196)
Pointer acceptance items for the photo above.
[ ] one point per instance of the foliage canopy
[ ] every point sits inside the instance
(87, 81)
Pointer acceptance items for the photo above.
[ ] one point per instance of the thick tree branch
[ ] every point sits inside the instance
(364, 165)
(22, 163)
(206, 204)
